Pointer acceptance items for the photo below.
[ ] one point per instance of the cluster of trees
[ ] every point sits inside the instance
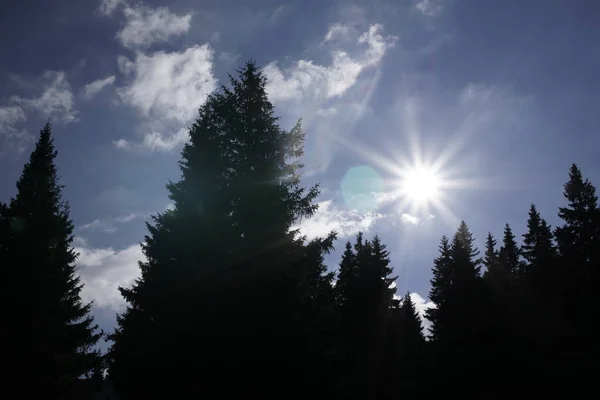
(232, 301)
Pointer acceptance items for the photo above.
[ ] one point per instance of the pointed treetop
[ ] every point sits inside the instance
(580, 193)
(491, 254)
(538, 248)
(510, 252)
(39, 175)
(463, 240)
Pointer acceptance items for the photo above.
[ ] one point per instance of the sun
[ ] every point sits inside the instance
(420, 185)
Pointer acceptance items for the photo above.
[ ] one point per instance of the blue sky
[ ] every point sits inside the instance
(498, 97)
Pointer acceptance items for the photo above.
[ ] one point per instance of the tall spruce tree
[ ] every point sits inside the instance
(491, 259)
(346, 275)
(464, 256)
(510, 254)
(457, 330)
(365, 297)
(412, 326)
(538, 251)
(224, 287)
(578, 241)
(406, 356)
(540, 303)
(52, 333)
(441, 283)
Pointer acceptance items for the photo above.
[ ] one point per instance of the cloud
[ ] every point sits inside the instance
(331, 97)
(108, 225)
(107, 7)
(127, 217)
(169, 85)
(330, 217)
(305, 79)
(11, 137)
(167, 89)
(155, 141)
(93, 88)
(103, 270)
(99, 225)
(145, 25)
(335, 31)
(429, 8)
(56, 99)
(409, 219)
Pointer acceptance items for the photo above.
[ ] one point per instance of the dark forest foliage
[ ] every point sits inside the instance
(233, 302)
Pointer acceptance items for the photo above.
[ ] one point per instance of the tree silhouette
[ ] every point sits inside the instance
(443, 275)
(364, 294)
(510, 254)
(52, 332)
(578, 241)
(538, 250)
(228, 285)
(491, 260)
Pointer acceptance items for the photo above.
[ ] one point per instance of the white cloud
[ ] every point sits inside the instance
(155, 141)
(108, 225)
(11, 137)
(330, 217)
(159, 141)
(429, 8)
(126, 217)
(145, 25)
(335, 31)
(10, 115)
(409, 219)
(305, 79)
(99, 225)
(169, 85)
(104, 270)
(93, 88)
(167, 89)
(107, 7)
(56, 99)
(332, 96)
(79, 241)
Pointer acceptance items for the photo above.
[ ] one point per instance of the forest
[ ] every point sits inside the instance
(233, 302)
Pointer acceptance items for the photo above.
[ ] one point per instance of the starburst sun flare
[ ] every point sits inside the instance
(420, 184)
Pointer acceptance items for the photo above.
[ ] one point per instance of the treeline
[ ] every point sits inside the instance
(233, 302)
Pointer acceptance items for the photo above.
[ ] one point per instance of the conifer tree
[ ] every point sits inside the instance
(441, 283)
(538, 250)
(221, 291)
(578, 237)
(491, 259)
(346, 276)
(457, 330)
(412, 326)
(510, 254)
(406, 359)
(464, 255)
(52, 332)
(578, 241)
(365, 296)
